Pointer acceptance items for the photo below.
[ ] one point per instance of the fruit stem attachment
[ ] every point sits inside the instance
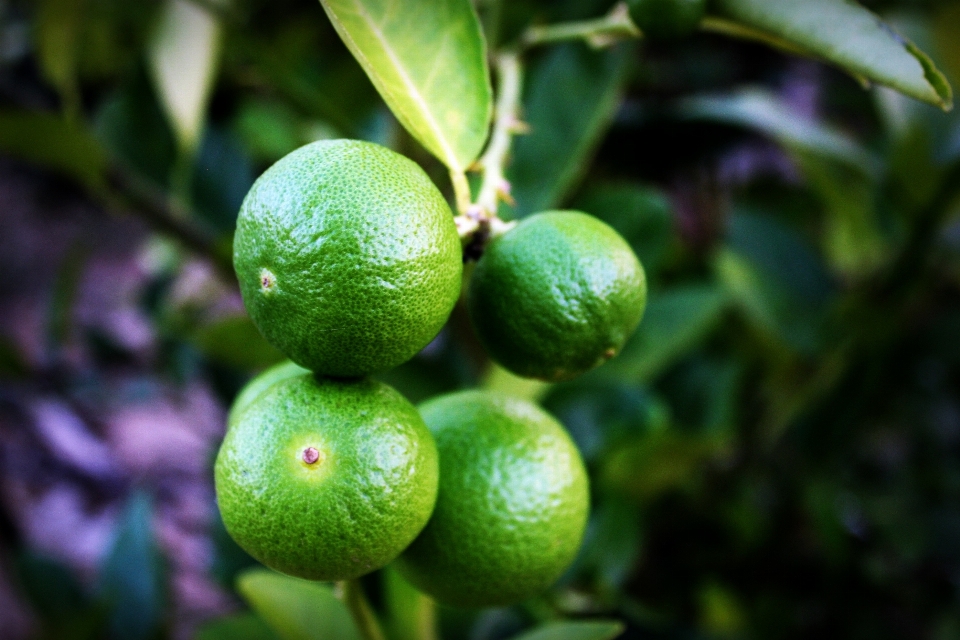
(507, 123)
(351, 594)
(598, 33)
(461, 190)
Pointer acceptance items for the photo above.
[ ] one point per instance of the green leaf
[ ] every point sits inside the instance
(296, 609)
(593, 630)
(54, 143)
(661, 462)
(675, 322)
(131, 579)
(183, 62)
(428, 61)
(244, 626)
(570, 101)
(762, 111)
(236, 342)
(58, 31)
(412, 615)
(846, 34)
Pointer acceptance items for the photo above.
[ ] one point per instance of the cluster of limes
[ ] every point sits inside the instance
(349, 262)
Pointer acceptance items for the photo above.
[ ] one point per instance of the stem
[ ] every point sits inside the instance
(461, 190)
(506, 125)
(351, 594)
(599, 32)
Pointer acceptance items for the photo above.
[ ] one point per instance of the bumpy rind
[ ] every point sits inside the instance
(348, 257)
(512, 505)
(368, 492)
(557, 296)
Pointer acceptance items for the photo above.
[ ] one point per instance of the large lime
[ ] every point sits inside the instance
(512, 504)
(557, 295)
(348, 257)
(324, 479)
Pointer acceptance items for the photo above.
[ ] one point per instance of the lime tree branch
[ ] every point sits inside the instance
(351, 594)
(599, 32)
(483, 213)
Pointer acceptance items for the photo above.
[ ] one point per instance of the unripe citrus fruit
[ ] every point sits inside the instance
(512, 504)
(261, 383)
(557, 295)
(348, 257)
(665, 19)
(326, 480)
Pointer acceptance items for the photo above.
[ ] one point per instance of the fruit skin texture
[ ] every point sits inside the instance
(366, 496)
(557, 295)
(261, 383)
(667, 19)
(348, 257)
(512, 505)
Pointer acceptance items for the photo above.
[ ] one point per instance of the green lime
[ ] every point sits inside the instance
(667, 19)
(261, 383)
(557, 295)
(348, 257)
(512, 504)
(325, 479)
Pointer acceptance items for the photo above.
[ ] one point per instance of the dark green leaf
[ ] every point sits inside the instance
(236, 342)
(244, 626)
(54, 143)
(132, 578)
(675, 322)
(296, 609)
(846, 34)
(59, 28)
(571, 98)
(594, 630)
(762, 111)
(428, 61)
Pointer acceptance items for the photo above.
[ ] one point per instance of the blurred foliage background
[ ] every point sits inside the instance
(776, 454)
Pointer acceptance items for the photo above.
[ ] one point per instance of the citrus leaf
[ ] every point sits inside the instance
(52, 142)
(428, 61)
(764, 112)
(296, 609)
(243, 626)
(58, 30)
(846, 34)
(183, 60)
(412, 615)
(571, 98)
(132, 577)
(675, 322)
(593, 630)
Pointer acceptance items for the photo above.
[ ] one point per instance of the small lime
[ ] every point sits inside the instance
(348, 257)
(326, 480)
(512, 504)
(557, 295)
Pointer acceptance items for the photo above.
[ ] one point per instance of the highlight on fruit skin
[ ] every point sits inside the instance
(512, 504)
(325, 479)
(557, 295)
(348, 257)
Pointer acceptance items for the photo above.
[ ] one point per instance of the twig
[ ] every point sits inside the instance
(599, 32)
(482, 215)
(351, 594)
(167, 217)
